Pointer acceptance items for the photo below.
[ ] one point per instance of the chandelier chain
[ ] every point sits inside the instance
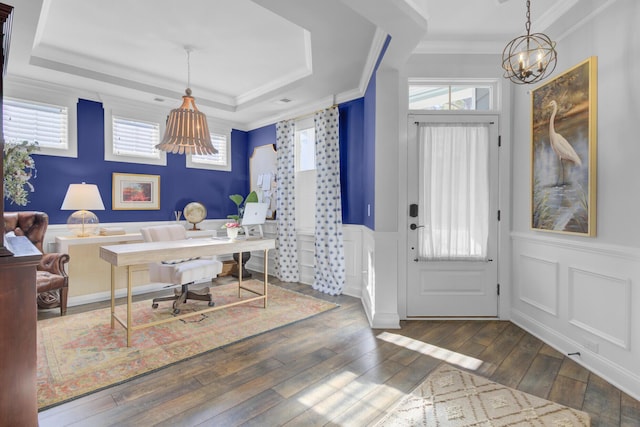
(528, 24)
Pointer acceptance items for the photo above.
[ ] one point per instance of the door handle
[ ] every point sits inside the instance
(415, 226)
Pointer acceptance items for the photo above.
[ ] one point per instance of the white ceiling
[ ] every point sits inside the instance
(248, 56)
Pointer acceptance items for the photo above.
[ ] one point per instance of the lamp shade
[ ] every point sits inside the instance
(82, 197)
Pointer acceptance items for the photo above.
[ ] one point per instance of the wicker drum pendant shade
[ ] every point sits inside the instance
(187, 131)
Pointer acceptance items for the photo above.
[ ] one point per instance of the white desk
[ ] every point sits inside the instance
(89, 276)
(133, 254)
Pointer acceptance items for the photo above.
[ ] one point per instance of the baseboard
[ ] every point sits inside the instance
(620, 377)
(105, 296)
(385, 321)
(379, 320)
(120, 293)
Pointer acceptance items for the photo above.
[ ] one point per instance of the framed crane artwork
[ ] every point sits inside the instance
(563, 152)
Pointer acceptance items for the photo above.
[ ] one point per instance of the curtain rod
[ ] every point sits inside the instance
(304, 116)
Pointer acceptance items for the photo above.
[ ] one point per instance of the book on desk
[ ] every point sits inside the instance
(112, 231)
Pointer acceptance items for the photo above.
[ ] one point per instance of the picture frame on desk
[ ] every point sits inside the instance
(135, 191)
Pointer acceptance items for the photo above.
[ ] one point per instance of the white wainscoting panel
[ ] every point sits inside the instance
(601, 305)
(581, 296)
(368, 296)
(306, 257)
(538, 283)
(352, 235)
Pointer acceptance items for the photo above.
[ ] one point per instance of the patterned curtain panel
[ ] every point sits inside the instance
(329, 251)
(286, 245)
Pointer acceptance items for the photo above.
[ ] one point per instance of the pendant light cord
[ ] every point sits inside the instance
(188, 67)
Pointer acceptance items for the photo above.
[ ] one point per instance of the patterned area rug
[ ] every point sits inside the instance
(80, 353)
(454, 398)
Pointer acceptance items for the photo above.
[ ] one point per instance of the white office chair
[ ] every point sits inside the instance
(182, 272)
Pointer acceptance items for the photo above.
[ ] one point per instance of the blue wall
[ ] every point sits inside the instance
(261, 136)
(351, 152)
(352, 177)
(178, 185)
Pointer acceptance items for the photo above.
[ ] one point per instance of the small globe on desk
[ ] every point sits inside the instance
(195, 213)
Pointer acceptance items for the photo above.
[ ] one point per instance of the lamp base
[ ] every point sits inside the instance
(83, 223)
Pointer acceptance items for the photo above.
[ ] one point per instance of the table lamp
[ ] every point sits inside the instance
(82, 222)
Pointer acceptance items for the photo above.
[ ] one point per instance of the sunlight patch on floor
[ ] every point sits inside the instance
(347, 392)
(443, 354)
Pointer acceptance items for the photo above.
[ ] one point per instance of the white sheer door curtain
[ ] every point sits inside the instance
(453, 191)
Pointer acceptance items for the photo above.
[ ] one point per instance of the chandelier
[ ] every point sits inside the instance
(531, 58)
(187, 130)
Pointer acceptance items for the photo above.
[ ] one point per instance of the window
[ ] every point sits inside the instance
(132, 132)
(41, 123)
(459, 96)
(305, 175)
(305, 145)
(44, 113)
(135, 138)
(221, 140)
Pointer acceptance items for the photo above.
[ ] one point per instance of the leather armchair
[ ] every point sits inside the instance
(52, 281)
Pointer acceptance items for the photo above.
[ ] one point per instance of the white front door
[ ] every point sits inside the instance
(453, 216)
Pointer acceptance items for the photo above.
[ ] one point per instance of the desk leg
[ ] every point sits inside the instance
(266, 275)
(129, 302)
(113, 295)
(239, 273)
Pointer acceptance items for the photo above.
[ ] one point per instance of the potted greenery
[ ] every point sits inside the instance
(19, 168)
(241, 202)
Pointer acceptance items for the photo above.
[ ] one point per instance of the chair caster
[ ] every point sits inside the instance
(176, 311)
(154, 305)
(211, 303)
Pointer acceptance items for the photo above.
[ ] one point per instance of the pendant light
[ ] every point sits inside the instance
(529, 59)
(187, 131)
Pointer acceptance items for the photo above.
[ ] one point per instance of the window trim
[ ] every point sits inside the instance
(45, 94)
(218, 129)
(131, 111)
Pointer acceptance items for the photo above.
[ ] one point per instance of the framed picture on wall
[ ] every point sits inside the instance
(135, 191)
(563, 152)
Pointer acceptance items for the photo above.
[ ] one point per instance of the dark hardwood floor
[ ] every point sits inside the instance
(334, 370)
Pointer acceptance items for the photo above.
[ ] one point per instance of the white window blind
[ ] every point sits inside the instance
(135, 138)
(221, 158)
(30, 121)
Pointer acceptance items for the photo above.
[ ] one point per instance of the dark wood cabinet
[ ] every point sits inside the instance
(18, 312)
(18, 326)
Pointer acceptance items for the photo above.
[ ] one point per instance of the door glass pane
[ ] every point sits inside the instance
(428, 97)
(453, 191)
(470, 98)
(449, 97)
